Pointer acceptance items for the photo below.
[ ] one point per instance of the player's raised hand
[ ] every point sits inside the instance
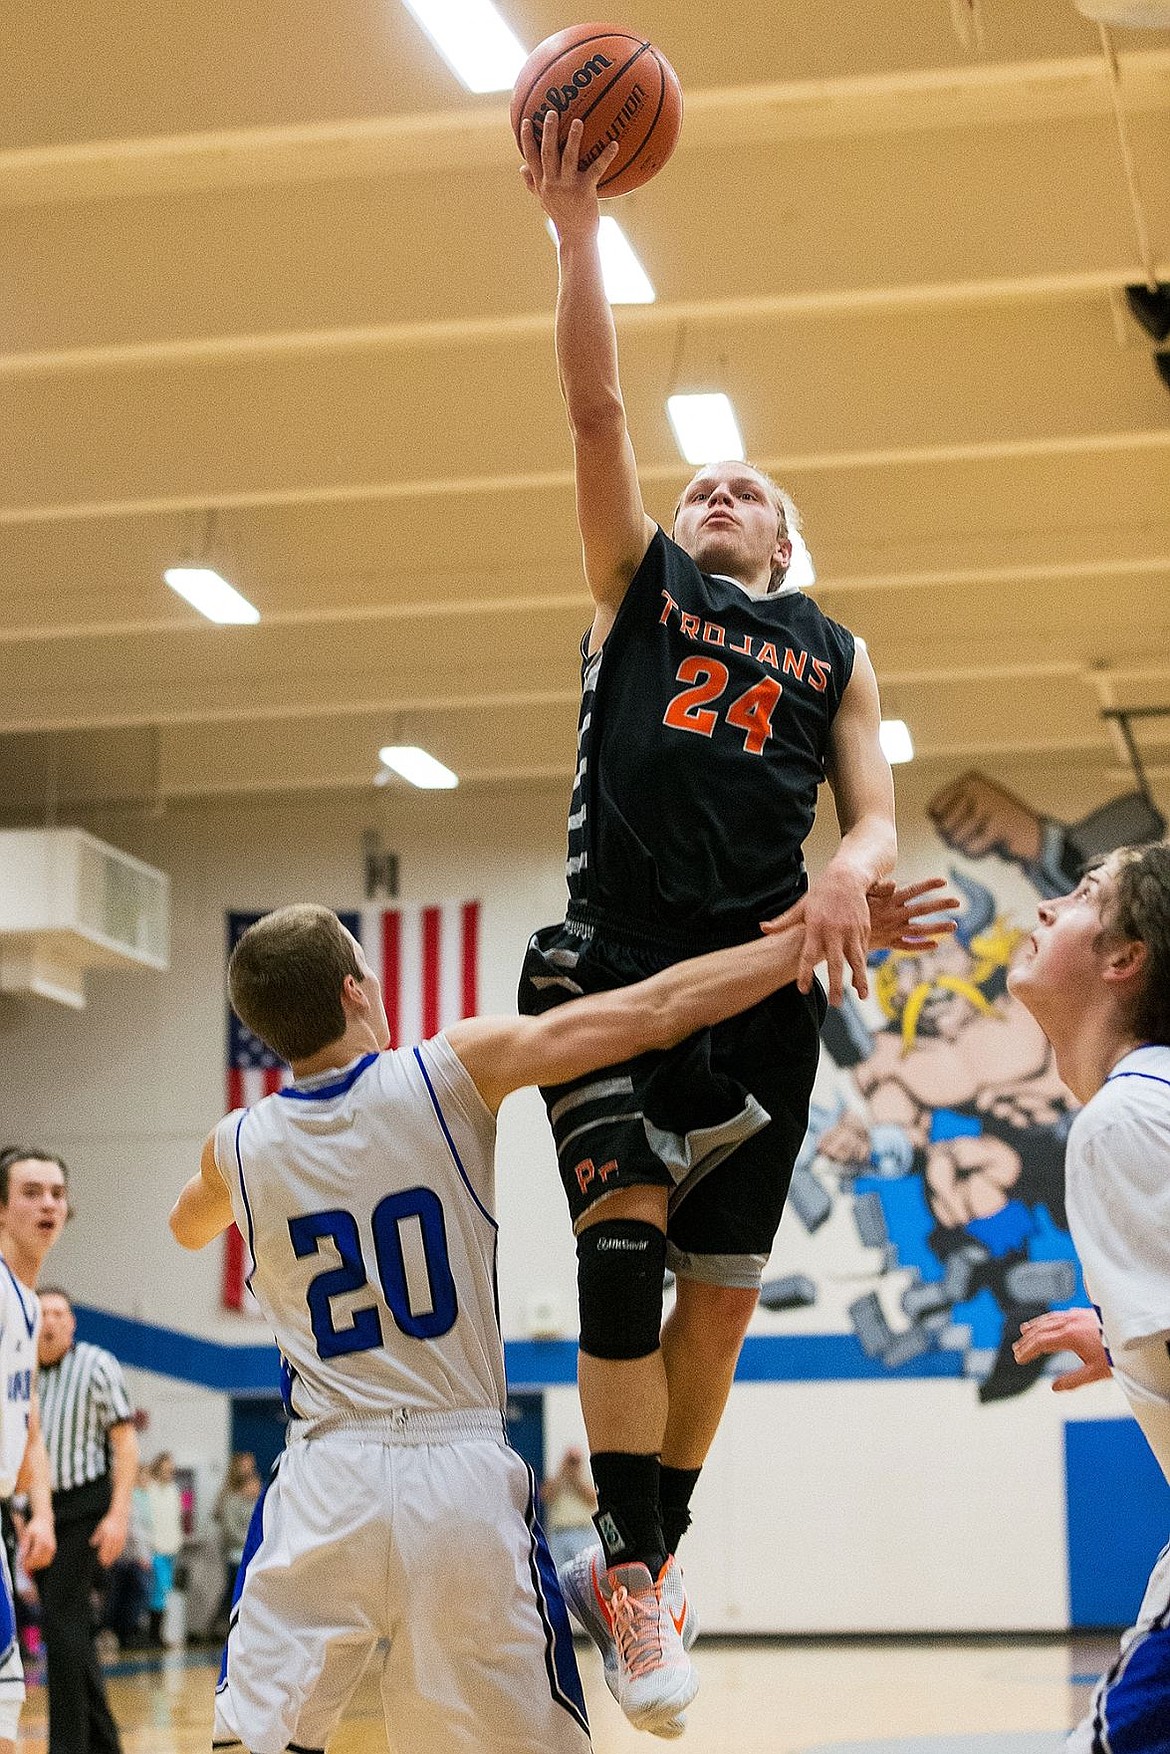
(1066, 1330)
(567, 193)
(910, 918)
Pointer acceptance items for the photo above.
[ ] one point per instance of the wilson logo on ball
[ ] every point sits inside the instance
(558, 98)
(621, 89)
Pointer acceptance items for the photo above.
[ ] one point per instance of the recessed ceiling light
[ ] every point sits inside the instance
(626, 281)
(705, 428)
(894, 737)
(210, 594)
(418, 767)
(473, 40)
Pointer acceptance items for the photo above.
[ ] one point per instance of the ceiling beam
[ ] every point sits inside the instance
(475, 138)
(457, 608)
(442, 334)
(561, 480)
(480, 700)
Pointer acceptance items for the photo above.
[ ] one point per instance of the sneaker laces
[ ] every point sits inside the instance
(637, 1629)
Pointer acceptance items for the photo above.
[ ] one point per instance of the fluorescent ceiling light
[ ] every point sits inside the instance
(473, 40)
(705, 428)
(418, 767)
(626, 281)
(801, 574)
(894, 737)
(211, 595)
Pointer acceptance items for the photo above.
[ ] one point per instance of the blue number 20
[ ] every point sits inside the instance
(309, 1229)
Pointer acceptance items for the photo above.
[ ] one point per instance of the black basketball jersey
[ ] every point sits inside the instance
(702, 741)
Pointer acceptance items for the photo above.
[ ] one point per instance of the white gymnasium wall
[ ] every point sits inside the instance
(824, 1506)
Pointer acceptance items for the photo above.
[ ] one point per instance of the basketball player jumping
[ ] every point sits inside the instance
(365, 1191)
(1096, 976)
(716, 698)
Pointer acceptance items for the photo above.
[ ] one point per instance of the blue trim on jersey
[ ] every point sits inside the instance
(252, 1542)
(560, 1659)
(247, 1202)
(325, 1091)
(30, 1322)
(450, 1141)
(1149, 1077)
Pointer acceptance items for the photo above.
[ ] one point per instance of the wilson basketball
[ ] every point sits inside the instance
(620, 86)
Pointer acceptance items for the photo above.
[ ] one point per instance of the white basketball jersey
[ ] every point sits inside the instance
(366, 1199)
(1117, 1175)
(20, 1316)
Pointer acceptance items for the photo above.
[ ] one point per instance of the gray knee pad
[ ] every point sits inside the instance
(620, 1268)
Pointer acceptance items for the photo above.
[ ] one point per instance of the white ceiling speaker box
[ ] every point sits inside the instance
(69, 902)
(1129, 14)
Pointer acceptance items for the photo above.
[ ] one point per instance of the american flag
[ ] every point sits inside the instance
(427, 959)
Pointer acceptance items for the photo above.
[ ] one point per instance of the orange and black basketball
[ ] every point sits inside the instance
(620, 86)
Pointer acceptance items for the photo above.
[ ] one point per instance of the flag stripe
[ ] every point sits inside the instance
(470, 959)
(233, 1269)
(391, 973)
(430, 972)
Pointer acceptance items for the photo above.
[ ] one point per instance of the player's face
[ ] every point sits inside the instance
(728, 522)
(38, 1205)
(58, 1327)
(1064, 958)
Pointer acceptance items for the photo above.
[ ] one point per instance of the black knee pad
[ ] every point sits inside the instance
(620, 1268)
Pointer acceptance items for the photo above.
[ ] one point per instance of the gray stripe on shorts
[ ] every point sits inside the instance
(541, 981)
(691, 1156)
(603, 1087)
(601, 1121)
(736, 1272)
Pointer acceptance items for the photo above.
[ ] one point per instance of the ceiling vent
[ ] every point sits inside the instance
(69, 902)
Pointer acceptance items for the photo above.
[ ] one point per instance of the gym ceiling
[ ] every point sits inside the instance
(273, 299)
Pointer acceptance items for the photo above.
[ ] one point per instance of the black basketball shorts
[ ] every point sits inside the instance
(718, 1119)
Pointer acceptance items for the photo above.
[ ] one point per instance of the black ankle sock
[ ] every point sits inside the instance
(675, 1486)
(628, 1518)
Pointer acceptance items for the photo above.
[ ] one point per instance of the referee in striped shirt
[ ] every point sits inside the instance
(93, 1463)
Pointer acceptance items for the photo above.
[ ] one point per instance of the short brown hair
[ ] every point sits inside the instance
(285, 977)
(14, 1154)
(1138, 907)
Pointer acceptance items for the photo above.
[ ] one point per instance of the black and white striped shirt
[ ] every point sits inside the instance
(81, 1396)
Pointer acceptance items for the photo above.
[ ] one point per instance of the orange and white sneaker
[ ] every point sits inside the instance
(642, 1626)
(582, 1581)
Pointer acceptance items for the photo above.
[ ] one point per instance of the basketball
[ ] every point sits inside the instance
(620, 86)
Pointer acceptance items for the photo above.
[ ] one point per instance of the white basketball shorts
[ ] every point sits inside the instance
(433, 1547)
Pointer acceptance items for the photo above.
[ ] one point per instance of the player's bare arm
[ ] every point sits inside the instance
(503, 1054)
(1066, 1330)
(38, 1538)
(203, 1209)
(615, 530)
(836, 912)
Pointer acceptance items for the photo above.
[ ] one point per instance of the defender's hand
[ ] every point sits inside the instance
(1066, 1330)
(905, 919)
